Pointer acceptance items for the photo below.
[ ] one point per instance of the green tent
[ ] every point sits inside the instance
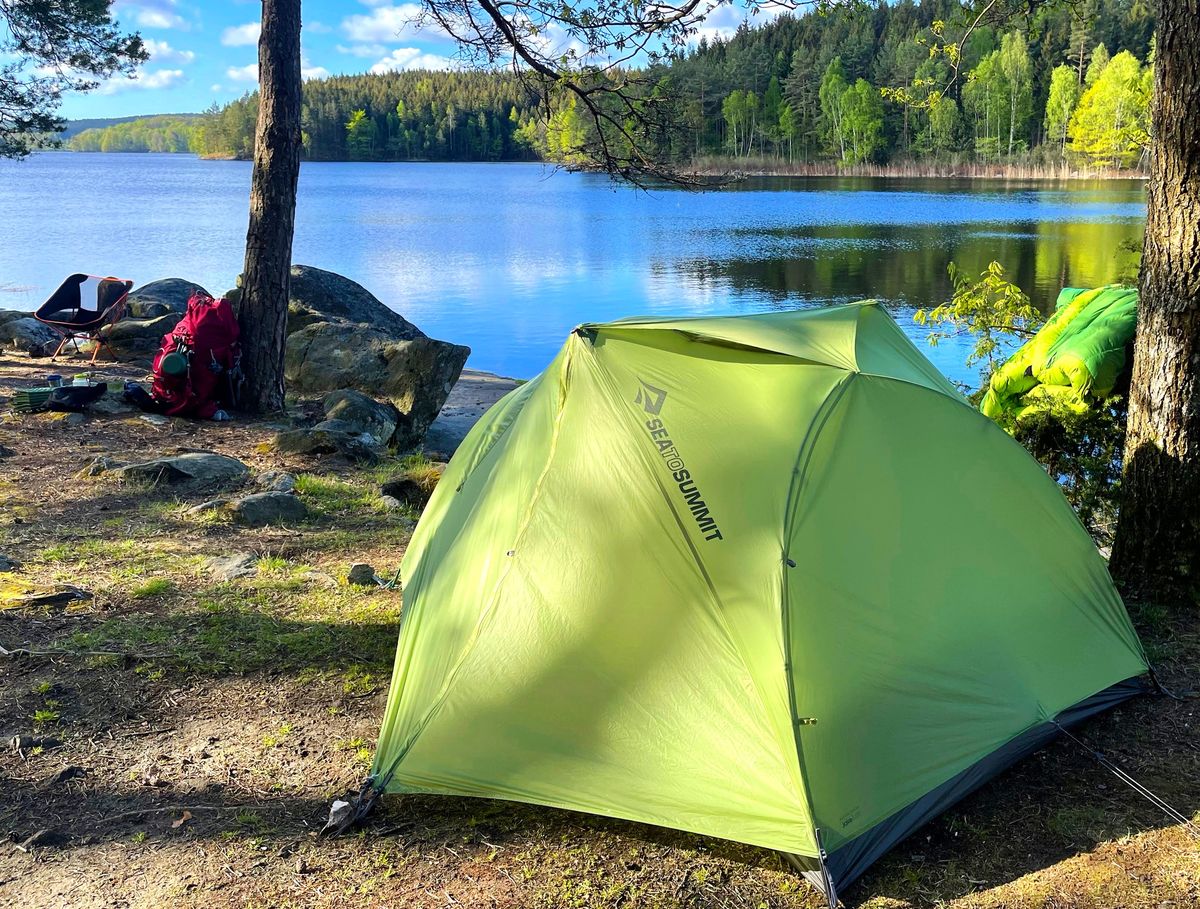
(767, 578)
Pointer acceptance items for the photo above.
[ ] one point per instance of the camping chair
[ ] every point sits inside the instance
(81, 307)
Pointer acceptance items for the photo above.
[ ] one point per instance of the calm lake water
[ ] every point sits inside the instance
(509, 257)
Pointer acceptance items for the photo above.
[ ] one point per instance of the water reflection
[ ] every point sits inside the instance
(508, 258)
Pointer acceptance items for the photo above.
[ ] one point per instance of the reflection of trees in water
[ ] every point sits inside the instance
(908, 263)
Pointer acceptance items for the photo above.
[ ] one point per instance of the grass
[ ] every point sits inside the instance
(155, 587)
(45, 716)
(330, 497)
(242, 630)
(274, 739)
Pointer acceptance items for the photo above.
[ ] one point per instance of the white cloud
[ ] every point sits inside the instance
(247, 73)
(317, 28)
(153, 13)
(145, 79)
(216, 87)
(241, 35)
(162, 52)
(723, 21)
(385, 23)
(363, 50)
(411, 58)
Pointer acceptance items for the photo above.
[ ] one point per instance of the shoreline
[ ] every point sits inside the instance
(749, 168)
(739, 169)
(473, 394)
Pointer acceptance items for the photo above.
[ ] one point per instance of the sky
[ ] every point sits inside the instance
(205, 51)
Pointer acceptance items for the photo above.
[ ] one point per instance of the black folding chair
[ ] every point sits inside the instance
(81, 307)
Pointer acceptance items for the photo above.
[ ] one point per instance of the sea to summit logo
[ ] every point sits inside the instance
(650, 398)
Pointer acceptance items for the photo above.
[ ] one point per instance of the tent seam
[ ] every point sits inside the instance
(804, 453)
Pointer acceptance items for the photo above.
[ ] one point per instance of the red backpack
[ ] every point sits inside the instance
(206, 338)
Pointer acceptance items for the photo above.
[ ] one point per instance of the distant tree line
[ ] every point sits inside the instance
(854, 85)
(847, 86)
(405, 116)
(169, 133)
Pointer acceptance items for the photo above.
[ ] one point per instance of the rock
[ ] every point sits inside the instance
(201, 466)
(155, 419)
(230, 567)
(210, 505)
(361, 575)
(161, 297)
(473, 394)
(73, 419)
(415, 374)
(407, 491)
(100, 464)
(326, 438)
(67, 773)
(262, 508)
(363, 414)
(320, 577)
(112, 403)
(22, 743)
(390, 502)
(9, 564)
(276, 481)
(20, 331)
(139, 339)
(341, 336)
(316, 295)
(6, 452)
(49, 836)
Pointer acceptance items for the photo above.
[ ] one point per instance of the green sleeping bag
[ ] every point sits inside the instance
(1074, 360)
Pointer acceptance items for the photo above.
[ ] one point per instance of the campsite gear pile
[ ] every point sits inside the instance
(739, 576)
(197, 371)
(82, 306)
(73, 398)
(1074, 360)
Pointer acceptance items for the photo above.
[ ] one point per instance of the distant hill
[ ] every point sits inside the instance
(75, 127)
(160, 133)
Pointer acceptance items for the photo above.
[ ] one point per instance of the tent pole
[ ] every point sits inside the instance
(826, 878)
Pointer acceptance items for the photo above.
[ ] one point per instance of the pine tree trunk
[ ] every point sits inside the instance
(267, 272)
(1157, 549)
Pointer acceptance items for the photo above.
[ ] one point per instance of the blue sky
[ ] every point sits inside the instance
(201, 52)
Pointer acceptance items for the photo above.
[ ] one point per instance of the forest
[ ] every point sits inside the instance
(845, 87)
(165, 133)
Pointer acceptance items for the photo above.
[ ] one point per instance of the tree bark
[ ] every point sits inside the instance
(1156, 553)
(267, 272)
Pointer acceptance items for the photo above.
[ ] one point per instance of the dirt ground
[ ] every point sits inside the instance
(179, 738)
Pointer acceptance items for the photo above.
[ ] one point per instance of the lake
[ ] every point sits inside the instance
(507, 258)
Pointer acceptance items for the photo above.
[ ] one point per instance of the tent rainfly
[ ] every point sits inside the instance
(768, 578)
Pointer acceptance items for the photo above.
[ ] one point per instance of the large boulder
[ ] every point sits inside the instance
(139, 339)
(316, 295)
(20, 331)
(161, 297)
(416, 374)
